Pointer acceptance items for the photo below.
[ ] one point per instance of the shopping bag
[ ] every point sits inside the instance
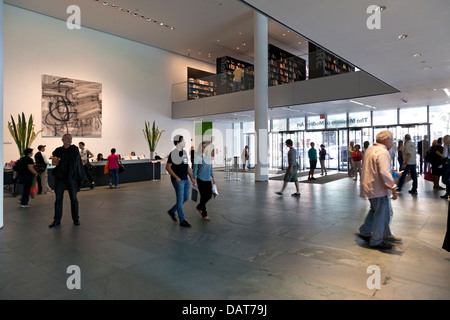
(214, 190)
(34, 186)
(427, 176)
(106, 170)
(194, 194)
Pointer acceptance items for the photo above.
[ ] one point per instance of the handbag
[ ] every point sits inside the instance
(40, 167)
(428, 176)
(34, 186)
(194, 194)
(106, 169)
(214, 190)
(121, 167)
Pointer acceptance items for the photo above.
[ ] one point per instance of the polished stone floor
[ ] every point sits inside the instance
(258, 245)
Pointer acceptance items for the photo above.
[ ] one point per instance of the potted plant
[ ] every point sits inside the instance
(152, 135)
(23, 132)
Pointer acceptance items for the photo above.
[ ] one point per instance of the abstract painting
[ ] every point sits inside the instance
(71, 106)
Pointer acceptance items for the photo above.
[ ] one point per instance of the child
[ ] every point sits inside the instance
(356, 157)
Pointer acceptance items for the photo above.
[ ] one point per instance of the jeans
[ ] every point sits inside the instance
(114, 176)
(72, 187)
(446, 177)
(377, 220)
(26, 180)
(409, 168)
(182, 189)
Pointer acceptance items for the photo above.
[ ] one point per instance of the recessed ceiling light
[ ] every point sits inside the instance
(427, 68)
(417, 55)
(380, 8)
(403, 36)
(356, 102)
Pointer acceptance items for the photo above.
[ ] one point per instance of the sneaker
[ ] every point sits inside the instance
(412, 191)
(445, 196)
(295, 194)
(184, 223)
(393, 239)
(76, 222)
(172, 215)
(25, 206)
(279, 193)
(382, 246)
(110, 186)
(54, 224)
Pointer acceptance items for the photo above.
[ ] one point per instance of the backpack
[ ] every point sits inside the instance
(17, 166)
(430, 155)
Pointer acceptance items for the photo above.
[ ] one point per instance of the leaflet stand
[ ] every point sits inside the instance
(228, 168)
(236, 169)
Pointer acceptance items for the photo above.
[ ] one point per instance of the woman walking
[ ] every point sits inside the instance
(204, 178)
(113, 166)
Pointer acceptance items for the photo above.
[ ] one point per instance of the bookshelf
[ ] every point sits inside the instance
(323, 64)
(200, 84)
(225, 66)
(284, 67)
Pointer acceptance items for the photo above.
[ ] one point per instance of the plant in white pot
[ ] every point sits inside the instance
(152, 134)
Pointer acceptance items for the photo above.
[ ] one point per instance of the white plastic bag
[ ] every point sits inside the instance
(214, 190)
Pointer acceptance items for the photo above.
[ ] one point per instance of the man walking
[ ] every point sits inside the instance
(409, 165)
(377, 184)
(178, 168)
(291, 172)
(69, 173)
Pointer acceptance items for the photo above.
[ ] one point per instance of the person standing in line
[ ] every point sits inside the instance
(204, 178)
(85, 156)
(409, 166)
(446, 166)
(357, 157)
(26, 173)
(69, 173)
(437, 168)
(400, 154)
(312, 155)
(113, 167)
(425, 147)
(42, 161)
(351, 148)
(365, 146)
(179, 170)
(322, 154)
(245, 158)
(291, 172)
(378, 185)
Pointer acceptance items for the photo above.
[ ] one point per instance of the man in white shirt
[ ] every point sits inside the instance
(377, 185)
(409, 165)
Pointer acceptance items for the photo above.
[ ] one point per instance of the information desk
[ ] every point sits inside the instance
(135, 170)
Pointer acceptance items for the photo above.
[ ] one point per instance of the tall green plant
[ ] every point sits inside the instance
(23, 133)
(152, 135)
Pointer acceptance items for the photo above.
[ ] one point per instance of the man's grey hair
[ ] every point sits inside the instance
(383, 135)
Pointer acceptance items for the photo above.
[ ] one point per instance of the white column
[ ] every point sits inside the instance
(1, 110)
(261, 96)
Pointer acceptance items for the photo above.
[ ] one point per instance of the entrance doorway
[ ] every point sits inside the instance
(329, 139)
(249, 140)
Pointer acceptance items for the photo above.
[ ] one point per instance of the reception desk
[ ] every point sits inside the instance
(135, 170)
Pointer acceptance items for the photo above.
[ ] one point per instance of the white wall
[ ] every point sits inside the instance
(136, 81)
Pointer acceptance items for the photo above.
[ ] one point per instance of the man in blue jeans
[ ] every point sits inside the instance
(409, 165)
(178, 168)
(377, 185)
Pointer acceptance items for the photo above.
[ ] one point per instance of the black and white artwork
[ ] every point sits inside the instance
(71, 106)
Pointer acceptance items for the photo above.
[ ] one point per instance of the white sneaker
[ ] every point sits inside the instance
(25, 206)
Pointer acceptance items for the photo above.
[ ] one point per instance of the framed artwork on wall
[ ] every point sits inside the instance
(71, 106)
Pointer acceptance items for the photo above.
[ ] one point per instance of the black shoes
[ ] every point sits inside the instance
(172, 215)
(76, 222)
(295, 194)
(412, 191)
(365, 238)
(184, 223)
(54, 224)
(445, 196)
(382, 246)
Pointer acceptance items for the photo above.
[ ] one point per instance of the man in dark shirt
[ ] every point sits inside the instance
(69, 172)
(178, 168)
(26, 172)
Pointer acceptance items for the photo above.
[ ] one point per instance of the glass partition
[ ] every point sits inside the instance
(382, 118)
(413, 115)
(439, 121)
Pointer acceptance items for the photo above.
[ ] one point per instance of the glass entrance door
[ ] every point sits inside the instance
(249, 140)
(329, 139)
(298, 143)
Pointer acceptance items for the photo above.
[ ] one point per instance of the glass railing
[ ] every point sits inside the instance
(299, 68)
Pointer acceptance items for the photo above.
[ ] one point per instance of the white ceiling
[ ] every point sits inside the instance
(208, 29)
